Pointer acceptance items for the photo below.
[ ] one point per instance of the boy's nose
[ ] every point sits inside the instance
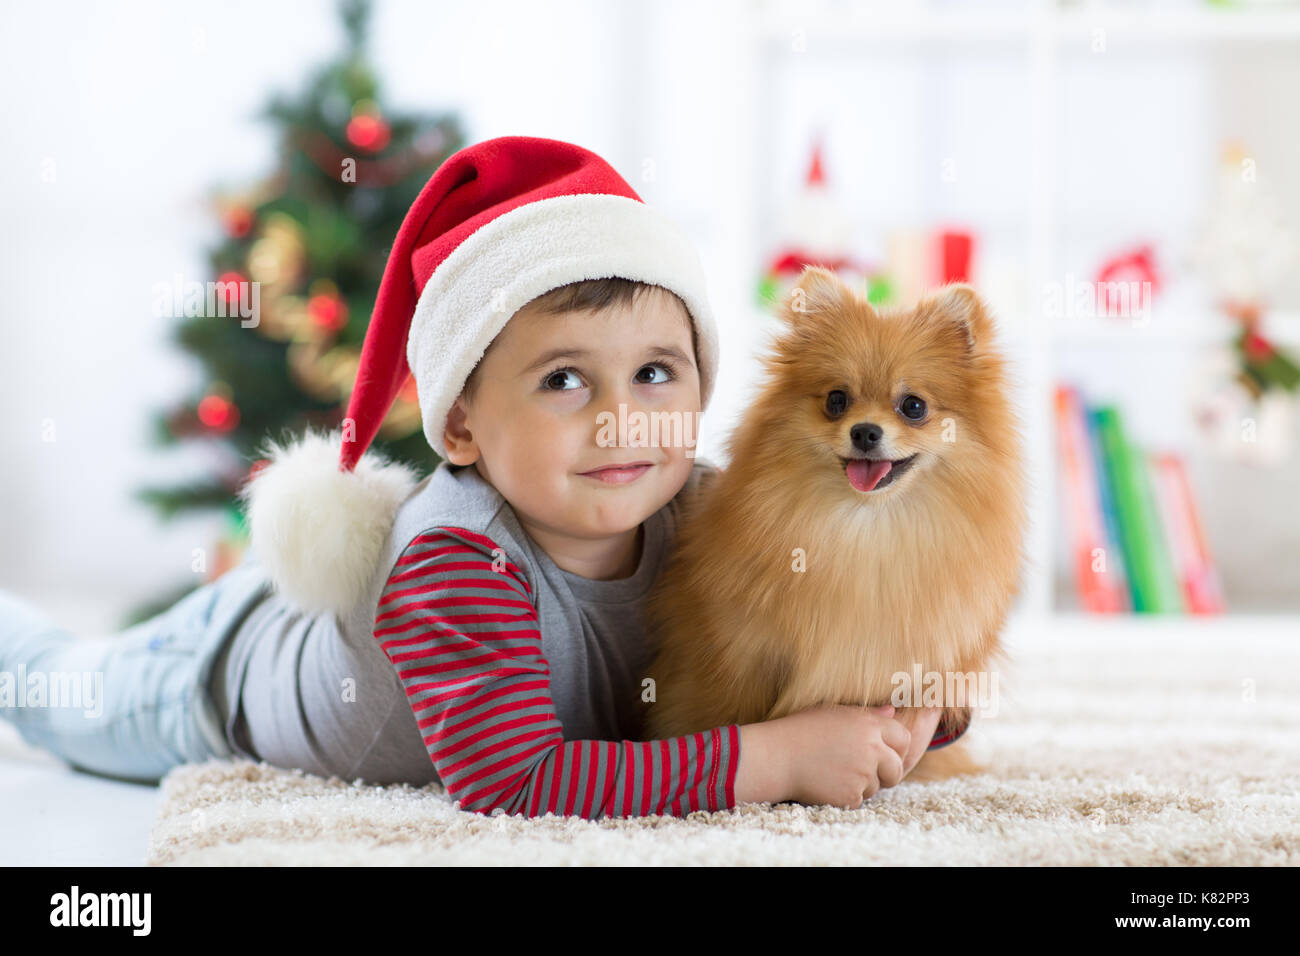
(617, 406)
(617, 394)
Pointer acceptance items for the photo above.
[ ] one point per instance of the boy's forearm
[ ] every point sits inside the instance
(763, 773)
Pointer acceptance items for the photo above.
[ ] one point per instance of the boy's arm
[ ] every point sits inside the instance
(465, 640)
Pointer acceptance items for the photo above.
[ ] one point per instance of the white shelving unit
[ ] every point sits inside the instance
(1045, 35)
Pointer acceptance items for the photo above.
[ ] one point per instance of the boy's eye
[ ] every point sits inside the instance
(668, 369)
(554, 381)
(558, 375)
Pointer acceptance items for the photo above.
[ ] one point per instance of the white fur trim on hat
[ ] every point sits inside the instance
(317, 530)
(530, 250)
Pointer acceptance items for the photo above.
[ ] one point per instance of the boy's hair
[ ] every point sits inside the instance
(586, 295)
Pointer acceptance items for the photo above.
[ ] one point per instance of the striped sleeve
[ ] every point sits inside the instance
(945, 734)
(458, 621)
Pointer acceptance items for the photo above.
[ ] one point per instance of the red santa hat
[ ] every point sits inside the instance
(498, 224)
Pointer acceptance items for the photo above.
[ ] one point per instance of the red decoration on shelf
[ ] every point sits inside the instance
(816, 174)
(1258, 348)
(218, 413)
(792, 263)
(1134, 268)
(954, 256)
(816, 232)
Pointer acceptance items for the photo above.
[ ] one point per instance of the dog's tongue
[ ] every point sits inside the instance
(865, 474)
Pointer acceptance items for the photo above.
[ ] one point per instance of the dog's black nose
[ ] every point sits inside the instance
(866, 435)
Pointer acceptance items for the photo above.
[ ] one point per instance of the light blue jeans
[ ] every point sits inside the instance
(131, 705)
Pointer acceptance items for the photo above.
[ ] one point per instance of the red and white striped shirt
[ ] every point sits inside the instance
(462, 630)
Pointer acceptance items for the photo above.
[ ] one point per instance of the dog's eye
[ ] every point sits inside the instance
(912, 408)
(836, 403)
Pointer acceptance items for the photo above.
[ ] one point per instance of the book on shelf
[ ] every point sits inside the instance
(1097, 564)
(1198, 578)
(1136, 541)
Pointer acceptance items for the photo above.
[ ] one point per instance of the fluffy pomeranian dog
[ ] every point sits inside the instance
(869, 523)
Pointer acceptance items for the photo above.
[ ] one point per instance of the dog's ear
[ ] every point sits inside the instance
(959, 305)
(818, 291)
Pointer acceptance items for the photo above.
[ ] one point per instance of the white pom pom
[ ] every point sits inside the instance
(318, 531)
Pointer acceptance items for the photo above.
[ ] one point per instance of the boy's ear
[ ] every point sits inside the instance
(456, 436)
(960, 305)
(817, 291)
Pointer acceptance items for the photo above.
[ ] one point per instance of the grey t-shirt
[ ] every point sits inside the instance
(316, 691)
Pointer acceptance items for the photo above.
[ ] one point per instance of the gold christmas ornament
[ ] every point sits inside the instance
(276, 259)
(315, 368)
(281, 316)
(339, 365)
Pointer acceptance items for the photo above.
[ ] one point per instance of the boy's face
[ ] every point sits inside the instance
(532, 428)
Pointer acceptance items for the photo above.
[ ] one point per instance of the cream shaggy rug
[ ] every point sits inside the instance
(1135, 743)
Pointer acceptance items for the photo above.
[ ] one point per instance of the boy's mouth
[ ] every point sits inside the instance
(619, 474)
(872, 474)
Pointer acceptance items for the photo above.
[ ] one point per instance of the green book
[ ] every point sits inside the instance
(1124, 469)
(1169, 592)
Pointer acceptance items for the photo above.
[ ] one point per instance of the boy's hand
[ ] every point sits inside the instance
(843, 755)
(921, 722)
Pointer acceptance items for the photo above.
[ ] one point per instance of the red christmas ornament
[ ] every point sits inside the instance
(218, 413)
(239, 220)
(327, 311)
(232, 286)
(368, 132)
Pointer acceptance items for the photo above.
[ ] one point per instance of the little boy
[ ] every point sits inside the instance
(481, 627)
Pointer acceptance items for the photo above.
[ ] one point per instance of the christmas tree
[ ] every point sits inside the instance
(278, 331)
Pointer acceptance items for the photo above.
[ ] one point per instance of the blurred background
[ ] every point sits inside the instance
(1119, 180)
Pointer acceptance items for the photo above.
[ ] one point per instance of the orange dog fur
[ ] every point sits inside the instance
(789, 586)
